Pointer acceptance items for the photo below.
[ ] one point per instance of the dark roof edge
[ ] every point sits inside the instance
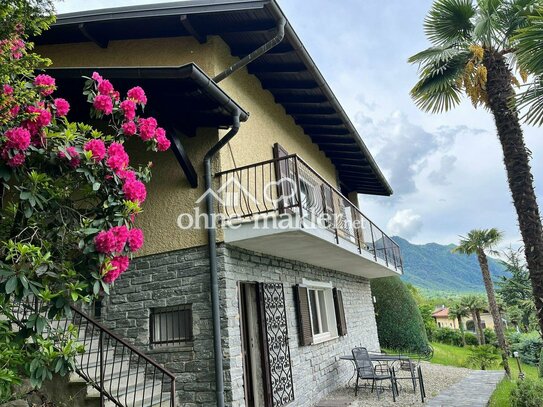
(190, 70)
(158, 9)
(299, 47)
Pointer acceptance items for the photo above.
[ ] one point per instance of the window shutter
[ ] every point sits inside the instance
(283, 171)
(304, 318)
(340, 313)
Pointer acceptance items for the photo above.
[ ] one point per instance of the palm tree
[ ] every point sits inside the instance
(471, 46)
(458, 311)
(475, 304)
(476, 243)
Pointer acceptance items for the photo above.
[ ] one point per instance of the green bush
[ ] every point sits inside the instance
(484, 356)
(449, 336)
(529, 347)
(540, 366)
(471, 339)
(490, 336)
(399, 322)
(527, 393)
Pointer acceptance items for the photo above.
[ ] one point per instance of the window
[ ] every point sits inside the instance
(171, 325)
(322, 311)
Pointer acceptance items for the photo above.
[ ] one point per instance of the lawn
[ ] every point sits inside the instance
(455, 356)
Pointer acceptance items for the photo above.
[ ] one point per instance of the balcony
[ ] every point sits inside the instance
(282, 207)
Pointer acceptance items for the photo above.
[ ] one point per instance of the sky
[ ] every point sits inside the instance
(446, 170)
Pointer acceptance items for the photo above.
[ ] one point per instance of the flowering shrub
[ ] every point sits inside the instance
(70, 196)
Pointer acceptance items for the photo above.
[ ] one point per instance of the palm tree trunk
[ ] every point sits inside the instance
(461, 330)
(476, 326)
(494, 310)
(480, 327)
(517, 164)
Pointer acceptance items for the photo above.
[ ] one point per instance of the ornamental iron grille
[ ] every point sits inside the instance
(276, 339)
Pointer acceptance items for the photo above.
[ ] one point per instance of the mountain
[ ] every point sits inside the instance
(434, 267)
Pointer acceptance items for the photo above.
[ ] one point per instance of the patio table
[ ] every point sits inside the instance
(380, 357)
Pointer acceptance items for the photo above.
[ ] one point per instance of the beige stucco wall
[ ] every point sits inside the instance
(169, 193)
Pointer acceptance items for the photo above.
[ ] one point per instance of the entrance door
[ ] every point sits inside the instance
(251, 345)
(264, 342)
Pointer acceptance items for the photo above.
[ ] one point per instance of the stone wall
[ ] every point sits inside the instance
(316, 369)
(182, 277)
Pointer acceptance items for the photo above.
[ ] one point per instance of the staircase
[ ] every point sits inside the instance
(114, 371)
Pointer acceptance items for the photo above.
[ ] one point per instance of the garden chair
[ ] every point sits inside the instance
(366, 370)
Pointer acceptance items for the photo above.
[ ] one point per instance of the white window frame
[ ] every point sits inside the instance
(326, 288)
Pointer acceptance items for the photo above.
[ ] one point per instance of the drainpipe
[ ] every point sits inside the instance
(279, 35)
(212, 247)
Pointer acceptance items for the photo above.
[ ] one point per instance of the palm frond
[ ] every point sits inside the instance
(449, 21)
(515, 16)
(434, 55)
(529, 44)
(530, 102)
(438, 89)
(488, 28)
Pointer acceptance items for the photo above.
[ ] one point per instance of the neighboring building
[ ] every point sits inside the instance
(441, 316)
(293, 297)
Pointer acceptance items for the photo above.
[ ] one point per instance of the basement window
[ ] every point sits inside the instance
(171, 325)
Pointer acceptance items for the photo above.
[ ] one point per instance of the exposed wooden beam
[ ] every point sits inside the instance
(317, 120)
(97, 39)
(292, 98)
(310, 108)
(330, 138)
(256, 68)
(278, 84)
(187, 25)
(182, 157)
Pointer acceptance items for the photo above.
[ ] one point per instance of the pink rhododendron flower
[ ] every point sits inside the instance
(121, 236)
(129, 109)
(62, 106)
(16, 48)
(105, 242)
(137, 95)
(147, 128)
(105, 87)
(17, 138)
(7, 89)
(117, 157)
(119, 265)
(103, 103)
(73, 157)
(14, 111)
(97, 77)
(162, 141)
(45, 84)
(97, 147)
(40, 118)
(135, 191)
(127, 175)
(129, 128)
(135, 239)
(16, 161)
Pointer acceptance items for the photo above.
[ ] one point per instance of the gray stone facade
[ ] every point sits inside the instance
(182, 277)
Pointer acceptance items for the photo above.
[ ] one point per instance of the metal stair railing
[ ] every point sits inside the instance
(116, 369)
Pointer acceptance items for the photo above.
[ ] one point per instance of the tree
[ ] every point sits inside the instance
(515, 291)
(68, 200)
(475, 304)
(458, 311)
(399, 323)
(471, 46)
(477, 242)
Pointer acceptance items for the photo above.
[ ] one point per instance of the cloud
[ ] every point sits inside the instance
(441, 175)
(405, 223)
(403, 149)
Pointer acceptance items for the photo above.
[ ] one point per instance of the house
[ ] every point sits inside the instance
(256, 308)
(441, 316)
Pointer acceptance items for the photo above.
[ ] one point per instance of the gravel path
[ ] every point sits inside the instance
(436, 379)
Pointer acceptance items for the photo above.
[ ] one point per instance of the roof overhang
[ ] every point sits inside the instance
(287, 70)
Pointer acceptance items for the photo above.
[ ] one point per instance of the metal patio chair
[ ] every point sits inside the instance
(366, 370)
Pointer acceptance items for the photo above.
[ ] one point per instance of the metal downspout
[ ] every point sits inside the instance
(256, 53)
(212, 247)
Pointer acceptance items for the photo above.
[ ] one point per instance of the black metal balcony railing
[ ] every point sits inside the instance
(117, 370)
(288, 185)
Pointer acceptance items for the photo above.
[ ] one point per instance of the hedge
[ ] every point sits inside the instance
(399, 322)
